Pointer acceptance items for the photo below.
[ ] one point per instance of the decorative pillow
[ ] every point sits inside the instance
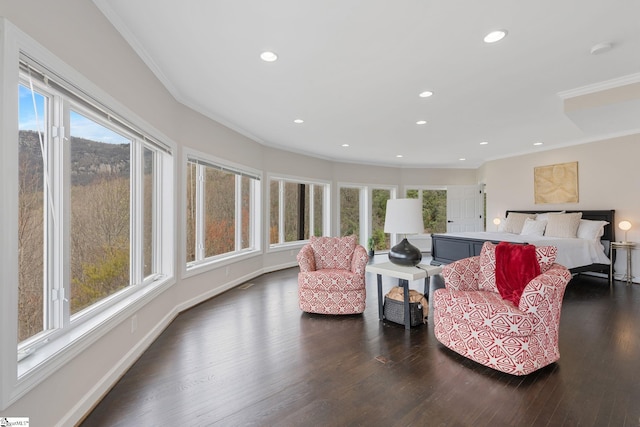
(563, 225)
(546, 256)
(515, 222)
(516, 266)
(544, 216)
(533, 227)
(591, 230)
(333, 252)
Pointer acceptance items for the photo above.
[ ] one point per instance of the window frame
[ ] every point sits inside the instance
(51, 350)
(421, 189)
(326, 209)
(203, 263)
(366, 208)
(393, 194)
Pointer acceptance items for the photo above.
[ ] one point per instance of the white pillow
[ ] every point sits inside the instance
(590, 230)
(533, 227)
(563, 225)
(545, 216)
(515, 222)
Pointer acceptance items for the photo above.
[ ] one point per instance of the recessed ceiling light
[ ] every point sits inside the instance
(298, 121)
(601, 48)
(421, 122)
(484, 143)
(495, 36)
(268, 56)
(462, 159)
(537, 143)
(399, 155)
(345, 145)
(425, 94)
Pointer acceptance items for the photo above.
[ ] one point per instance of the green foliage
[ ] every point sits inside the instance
(434, 211)
(101, 278)
(379, 199)
(349, 211)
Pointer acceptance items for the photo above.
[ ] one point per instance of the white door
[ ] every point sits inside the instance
(465, 206)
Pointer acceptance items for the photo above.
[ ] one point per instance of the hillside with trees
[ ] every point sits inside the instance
(99, 235)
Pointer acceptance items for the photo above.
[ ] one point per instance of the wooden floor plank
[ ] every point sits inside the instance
(250, 357)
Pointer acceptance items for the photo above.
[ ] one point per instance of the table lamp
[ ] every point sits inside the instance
(404, 216)
(625, 226)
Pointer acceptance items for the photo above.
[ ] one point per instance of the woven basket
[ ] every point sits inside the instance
(394, 311)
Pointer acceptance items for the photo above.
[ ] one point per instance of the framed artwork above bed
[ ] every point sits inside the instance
(556, 183)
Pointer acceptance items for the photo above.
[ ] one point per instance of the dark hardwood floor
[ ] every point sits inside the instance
(250, 357)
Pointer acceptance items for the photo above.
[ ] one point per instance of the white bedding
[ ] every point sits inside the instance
(572, 253)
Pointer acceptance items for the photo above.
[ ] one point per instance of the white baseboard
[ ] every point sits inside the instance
(102, 387)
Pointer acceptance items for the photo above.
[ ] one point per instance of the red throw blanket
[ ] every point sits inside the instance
(516, 265)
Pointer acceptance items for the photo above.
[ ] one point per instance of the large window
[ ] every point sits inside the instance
(297, 210)
(222, 210)
(362, 212)
(90, 208)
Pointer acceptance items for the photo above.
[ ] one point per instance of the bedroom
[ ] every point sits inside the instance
(607, 174)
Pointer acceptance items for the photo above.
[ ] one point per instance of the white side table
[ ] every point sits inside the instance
(405, 274)
(628, 246)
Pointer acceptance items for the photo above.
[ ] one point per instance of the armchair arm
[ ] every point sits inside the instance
(462, 275)
(359, 260)
(543, 295)
(306, 259)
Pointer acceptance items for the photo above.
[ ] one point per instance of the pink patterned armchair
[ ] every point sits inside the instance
(472, 318)
(331, 278)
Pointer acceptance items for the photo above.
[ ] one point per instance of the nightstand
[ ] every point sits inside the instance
(627, 246)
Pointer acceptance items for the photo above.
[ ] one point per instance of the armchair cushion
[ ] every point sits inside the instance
(333, 280)
(462, 274)
(333, 252)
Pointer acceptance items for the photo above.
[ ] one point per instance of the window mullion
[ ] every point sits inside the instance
(136, 220)
(311, 210)
(200, 187)
(365, 215)
(156, 215)
(281, 202)
(256, 218)
(238, 212)
(58, 247)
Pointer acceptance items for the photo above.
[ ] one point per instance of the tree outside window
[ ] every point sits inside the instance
(434, 208)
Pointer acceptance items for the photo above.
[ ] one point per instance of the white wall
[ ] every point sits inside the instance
(607, 179)
(76, 32)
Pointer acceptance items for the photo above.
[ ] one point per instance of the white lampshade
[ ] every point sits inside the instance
(624, 225)
(404, 216)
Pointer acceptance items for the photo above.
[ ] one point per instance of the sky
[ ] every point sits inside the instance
(81, 126)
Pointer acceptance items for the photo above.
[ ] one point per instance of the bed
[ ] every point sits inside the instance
(578, 255)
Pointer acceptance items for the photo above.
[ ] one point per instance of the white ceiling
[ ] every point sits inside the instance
(352, 70)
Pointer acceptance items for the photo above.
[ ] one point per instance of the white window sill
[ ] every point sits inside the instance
(56, 352)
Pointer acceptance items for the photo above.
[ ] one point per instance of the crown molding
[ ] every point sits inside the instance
(598, 87)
